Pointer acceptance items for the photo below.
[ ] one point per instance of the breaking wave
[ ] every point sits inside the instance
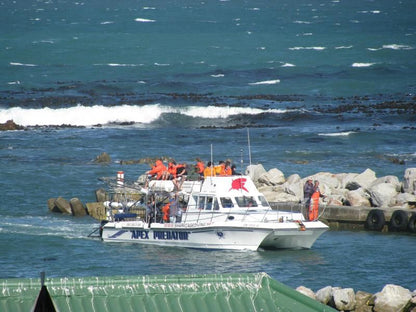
(132, 114)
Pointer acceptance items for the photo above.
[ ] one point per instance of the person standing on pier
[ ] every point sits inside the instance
(314, 202)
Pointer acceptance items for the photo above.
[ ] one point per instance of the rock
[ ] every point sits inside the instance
(101, 195)
(392, 298)
(403, 199)
(96, 210)
(352, 186)
(409, 182)
(294, 186)
(142, 179)
(306, 291)
(328, 179)
(383, 194)
(357, 198)
(365, 178)
(389, 179)
(51, 205)
(63, 205)
(255, 171)
(77, 207)
(272, 177)
(344, 299)
(103, 158)
(361, 300)
(324, 295)
(272, 195)
(346, 178)
(10, 125)
(334, 201)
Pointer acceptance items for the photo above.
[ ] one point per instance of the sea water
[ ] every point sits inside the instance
(302, 86)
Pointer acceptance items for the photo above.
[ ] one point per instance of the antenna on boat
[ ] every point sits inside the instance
(212, 163)
(241, 157)
(249, 148)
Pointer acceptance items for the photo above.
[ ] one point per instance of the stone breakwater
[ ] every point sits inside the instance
(352, 200)
(391, 298)
(342, 189)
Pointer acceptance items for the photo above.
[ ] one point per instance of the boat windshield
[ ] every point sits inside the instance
(263, 201)
(226, 202)
(246, 201)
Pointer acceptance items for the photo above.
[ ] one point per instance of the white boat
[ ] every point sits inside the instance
(222, 212)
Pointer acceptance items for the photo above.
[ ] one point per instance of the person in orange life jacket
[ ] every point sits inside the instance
(314, 205)
(180, 175)
(199, 167)
(227, 170)
(170, 173)
(157, 170)
(209, 170)
(220, 168)
(166, 212)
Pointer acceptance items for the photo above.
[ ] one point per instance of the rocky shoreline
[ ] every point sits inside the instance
(391, 298)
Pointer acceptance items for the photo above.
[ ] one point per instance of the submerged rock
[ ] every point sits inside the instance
(10, 125)
(103, 158)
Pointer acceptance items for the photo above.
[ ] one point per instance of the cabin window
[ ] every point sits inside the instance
(201, 202)
(226, 202)
(246, 201)
(208, 205)
(263, 201)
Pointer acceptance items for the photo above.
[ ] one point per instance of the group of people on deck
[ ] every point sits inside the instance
(224, 168)
(175, 172)
(178, 172)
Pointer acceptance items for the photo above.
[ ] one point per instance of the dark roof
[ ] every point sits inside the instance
(217, 292)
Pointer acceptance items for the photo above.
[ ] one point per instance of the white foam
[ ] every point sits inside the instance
(346, 133)
(343, 47)
(308, 48)
(218, 75)
(83, 115)
(144, 20)
(104, 115)
(288, 65)
(392, 47)
(21, 64)
(266, 82)
(397, 47)
(211, 112)
(107, 22)
(122, 65)
(362, 64)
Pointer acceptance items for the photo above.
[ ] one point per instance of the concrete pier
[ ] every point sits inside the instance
(344, 217)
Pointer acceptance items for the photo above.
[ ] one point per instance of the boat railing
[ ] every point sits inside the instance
(287, 209)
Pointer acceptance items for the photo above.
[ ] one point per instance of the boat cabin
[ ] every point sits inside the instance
(224, 193)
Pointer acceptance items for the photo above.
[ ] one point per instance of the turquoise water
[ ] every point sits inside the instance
(321, 86)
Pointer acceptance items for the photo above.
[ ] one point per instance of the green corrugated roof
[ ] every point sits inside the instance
(170, 293)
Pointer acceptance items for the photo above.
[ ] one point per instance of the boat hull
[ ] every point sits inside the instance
(214, 236)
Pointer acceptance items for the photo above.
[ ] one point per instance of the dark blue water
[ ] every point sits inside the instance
(321, 86)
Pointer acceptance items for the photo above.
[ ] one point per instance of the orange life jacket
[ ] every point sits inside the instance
(209, 172)
(166, 212)
(159, 168)
(172, 169)
(200, 167)
(220, 170)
